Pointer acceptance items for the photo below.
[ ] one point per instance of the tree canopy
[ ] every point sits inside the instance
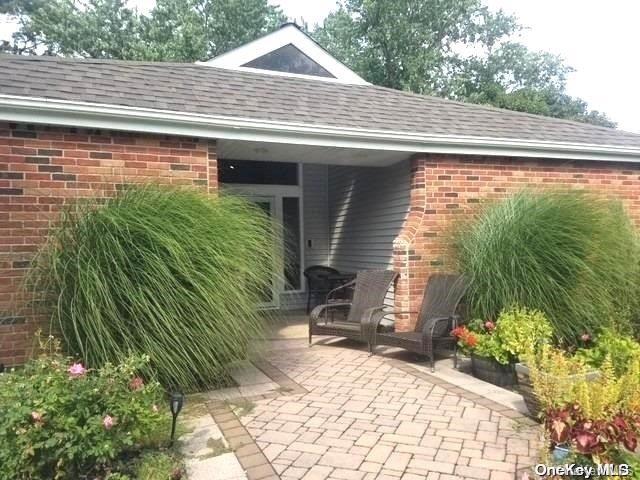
(174, 30)
(458, 49)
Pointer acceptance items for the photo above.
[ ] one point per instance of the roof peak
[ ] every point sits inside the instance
(287, 51)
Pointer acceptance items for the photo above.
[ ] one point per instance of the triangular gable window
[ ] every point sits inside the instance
(289, 59)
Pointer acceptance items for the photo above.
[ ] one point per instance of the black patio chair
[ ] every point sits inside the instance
(370, 290)
(436, 319)
(318, 283)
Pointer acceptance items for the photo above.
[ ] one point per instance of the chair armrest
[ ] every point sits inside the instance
(341, 287)
(323, 309)
(427, 332)
(372, 318)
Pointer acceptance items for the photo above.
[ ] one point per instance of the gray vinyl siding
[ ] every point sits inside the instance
(315, 228)
(351, 216)
(367, 208)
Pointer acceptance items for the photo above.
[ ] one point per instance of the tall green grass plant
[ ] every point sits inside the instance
(172, 273)
(572, 255)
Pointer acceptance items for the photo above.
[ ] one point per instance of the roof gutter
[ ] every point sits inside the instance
(169, 122)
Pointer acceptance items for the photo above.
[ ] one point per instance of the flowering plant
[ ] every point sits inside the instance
(467, 340)
(61, 420)
(516, 333)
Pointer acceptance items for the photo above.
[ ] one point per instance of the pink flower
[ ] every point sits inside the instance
(585, 337)
(490, 326)
(77, 370)
(136, 383)
(37, 418)
(108, 422)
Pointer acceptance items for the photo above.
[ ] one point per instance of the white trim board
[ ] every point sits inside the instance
(168, 122)
(285, 35)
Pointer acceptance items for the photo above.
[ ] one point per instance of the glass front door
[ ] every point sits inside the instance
(276, 188)
(270, 297)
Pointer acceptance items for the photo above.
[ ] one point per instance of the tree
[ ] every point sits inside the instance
(458, 49)
(189, 30)
(175, 30)
(95, 29)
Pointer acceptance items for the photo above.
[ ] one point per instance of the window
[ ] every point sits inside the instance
(291, 234)
(257, 173)
(289, 59)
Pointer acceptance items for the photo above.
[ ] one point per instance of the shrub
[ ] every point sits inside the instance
(572, 255)
(620, 349)
(60, 420)
(172, 273)
(598, 418)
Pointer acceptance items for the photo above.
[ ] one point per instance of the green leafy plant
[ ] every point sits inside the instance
(61, 420)
(518, 332)
(598, 418)
(620, 349)
(573, 255)
(522, 331)
(172, 273)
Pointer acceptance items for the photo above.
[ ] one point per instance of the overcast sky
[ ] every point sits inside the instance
(599, 39)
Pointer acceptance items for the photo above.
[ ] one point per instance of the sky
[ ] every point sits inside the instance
(598, 39)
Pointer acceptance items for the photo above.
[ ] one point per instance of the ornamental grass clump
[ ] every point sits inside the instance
(172, 273)
(572, 255)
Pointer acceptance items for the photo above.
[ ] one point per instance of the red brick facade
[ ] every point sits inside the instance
(42, 167)
(443, 186)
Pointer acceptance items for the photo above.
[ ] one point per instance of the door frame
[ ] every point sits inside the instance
(275, 215)
(276, 193)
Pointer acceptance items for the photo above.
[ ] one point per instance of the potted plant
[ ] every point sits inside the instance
(549, 373)
(497, 346)
(589, 422)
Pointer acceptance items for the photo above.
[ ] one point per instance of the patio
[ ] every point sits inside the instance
(337, 413)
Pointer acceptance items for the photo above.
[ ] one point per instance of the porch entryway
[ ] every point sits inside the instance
(345, 217)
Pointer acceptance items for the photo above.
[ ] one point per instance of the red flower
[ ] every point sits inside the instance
(136, 383)
(585, 337)
(458, 332)
(471, 340)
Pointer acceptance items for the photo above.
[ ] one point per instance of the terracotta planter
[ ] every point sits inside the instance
(525, 387)
(488, 370)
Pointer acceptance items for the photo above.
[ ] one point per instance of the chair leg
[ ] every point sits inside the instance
(310, 335)
(432, 361)
(455, 356)
(308, 302)
(370, 348)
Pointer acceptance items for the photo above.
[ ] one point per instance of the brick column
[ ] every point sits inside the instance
(212, 167)
(405, 259)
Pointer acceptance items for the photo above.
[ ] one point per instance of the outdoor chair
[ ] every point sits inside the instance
(370, 290)
(318, 283)
(436, 318)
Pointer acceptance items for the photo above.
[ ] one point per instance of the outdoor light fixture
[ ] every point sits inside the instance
(176, 401)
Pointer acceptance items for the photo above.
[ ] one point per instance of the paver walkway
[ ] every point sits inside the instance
(361, 417)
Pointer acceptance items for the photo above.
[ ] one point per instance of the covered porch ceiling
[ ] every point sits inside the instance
(284, 152)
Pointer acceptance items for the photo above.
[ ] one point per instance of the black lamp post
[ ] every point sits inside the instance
(176, 401)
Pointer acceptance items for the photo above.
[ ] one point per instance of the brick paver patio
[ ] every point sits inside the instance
(360, 417)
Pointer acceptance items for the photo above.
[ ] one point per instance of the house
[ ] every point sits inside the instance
(362, 176)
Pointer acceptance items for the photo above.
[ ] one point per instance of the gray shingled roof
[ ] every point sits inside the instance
(214, 91)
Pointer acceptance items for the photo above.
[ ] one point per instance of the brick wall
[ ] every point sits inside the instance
(445, 186)
(43, 167)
